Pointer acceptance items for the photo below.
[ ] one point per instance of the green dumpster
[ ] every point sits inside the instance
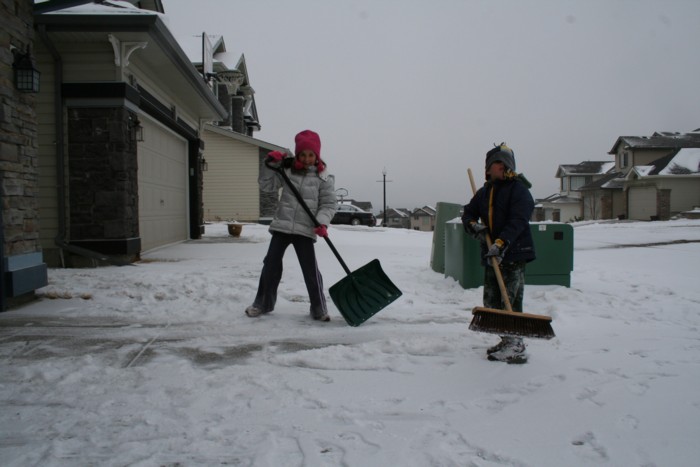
(462, 256)
(445, 212)
(554, 245)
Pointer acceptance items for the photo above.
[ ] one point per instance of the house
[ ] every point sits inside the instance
(231, 85)
(120, 116)
(567, 205)
(232, 155)
(664, 187)
(660, 174)
(653, 177)
(423, 219)
(398, 218)
(604, 198)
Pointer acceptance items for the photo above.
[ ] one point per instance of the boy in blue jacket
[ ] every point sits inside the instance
(503, 207)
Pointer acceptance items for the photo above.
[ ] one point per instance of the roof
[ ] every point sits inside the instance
(559, 199)
(229, 68)
(608, 181)
(685, 161)
(392, 212)
(585, 168)
(223, 131)
(425, 211)
(663, 140)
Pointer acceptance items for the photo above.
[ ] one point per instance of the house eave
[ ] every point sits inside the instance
(242, 138)
(140, 27)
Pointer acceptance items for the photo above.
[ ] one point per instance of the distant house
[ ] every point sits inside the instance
(604, 198)
(652, 177)
(660, 174)
(398, 218)
(664, 187)
(423, 219)
(567, 205)
(232, 156)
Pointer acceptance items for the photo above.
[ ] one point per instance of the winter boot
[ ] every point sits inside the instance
(319, 314)
(512, 351)
(498, 347)
(253, 311)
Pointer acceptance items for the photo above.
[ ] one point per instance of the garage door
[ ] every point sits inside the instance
(642, 203)
(163, 207)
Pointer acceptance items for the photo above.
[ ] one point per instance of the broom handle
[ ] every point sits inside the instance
(494, 261)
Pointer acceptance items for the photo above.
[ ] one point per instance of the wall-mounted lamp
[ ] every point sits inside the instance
(26, 74)
(204, 165)
(136, 128)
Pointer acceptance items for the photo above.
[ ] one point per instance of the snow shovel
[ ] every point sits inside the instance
(507, 322)
(361, 294)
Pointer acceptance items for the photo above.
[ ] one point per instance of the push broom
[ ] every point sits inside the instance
(507, 322)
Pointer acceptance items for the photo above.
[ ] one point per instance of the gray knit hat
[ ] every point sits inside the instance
(503, 154)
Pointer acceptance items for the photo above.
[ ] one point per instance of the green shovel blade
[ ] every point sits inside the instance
(363, 293)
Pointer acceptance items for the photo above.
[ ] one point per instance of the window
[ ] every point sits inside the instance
(578, 182)
(624, 159)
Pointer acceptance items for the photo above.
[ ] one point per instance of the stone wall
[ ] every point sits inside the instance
(18, 136)
(103, 175)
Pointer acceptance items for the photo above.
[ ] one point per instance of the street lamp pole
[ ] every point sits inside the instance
(384, 183)
(383, 180)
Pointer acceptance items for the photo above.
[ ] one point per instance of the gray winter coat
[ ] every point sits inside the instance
(317, 190)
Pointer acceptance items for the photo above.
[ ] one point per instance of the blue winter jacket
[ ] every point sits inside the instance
(505, 207)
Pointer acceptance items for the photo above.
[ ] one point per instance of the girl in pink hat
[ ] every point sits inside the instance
(291, 225)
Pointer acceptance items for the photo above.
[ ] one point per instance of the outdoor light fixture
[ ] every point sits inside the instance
(204, 165)
(136, 128)
(26, 74)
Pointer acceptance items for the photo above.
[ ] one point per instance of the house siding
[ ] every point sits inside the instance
(639, 156)
(619, 204)
(47, 186)
(685, 192)
(231, 181)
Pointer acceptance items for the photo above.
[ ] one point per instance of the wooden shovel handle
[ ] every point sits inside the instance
(494, 261)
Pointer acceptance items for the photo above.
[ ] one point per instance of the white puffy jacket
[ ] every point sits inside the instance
(316, 189)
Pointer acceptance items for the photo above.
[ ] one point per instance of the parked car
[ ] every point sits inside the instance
(352, 215)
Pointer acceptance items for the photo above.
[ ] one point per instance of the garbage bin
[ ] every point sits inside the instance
(445, 212)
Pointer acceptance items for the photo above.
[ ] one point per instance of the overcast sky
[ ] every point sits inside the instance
(425, 88)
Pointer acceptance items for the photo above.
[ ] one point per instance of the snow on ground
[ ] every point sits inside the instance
(156, 364)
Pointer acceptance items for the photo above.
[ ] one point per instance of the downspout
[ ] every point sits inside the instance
(60, 239)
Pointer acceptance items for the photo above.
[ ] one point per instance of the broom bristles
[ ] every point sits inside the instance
(508, 323)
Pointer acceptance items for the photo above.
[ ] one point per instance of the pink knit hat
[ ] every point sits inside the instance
(307, 139)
